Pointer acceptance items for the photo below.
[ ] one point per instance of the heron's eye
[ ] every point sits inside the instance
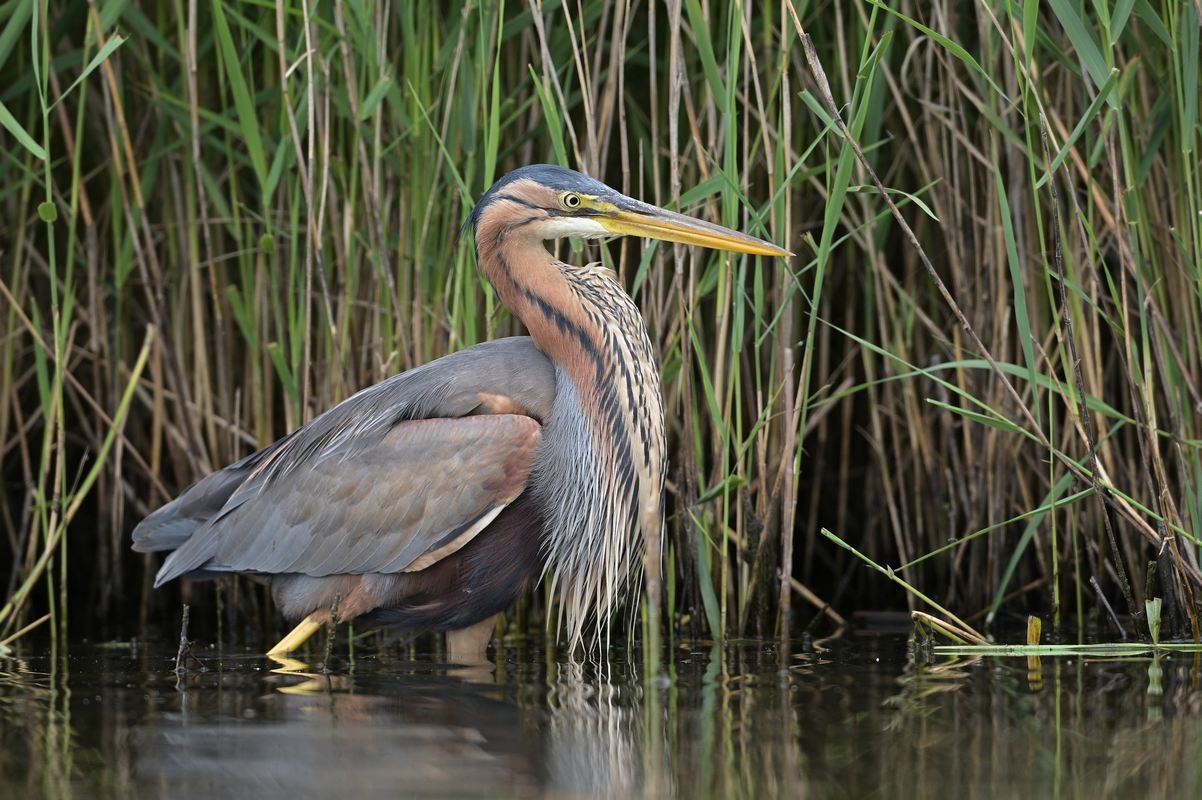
(570, 200)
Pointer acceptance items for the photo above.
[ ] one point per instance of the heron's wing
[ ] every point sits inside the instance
(417, 495)
(369, 439)
(172, 524)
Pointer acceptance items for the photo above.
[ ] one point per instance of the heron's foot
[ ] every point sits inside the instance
(297, 636)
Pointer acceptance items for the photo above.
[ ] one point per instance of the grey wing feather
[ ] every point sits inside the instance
(272, 510)
(170, 525)
(422, 487)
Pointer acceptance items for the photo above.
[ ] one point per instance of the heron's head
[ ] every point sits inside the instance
(544, 201)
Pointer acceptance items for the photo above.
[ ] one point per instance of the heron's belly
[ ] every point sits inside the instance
(481, 579)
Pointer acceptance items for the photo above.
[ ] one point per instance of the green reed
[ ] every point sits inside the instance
(225, 217)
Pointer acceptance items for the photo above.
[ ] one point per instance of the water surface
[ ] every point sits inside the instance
(855, 717)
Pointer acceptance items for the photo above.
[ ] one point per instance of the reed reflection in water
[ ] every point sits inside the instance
(863, 718)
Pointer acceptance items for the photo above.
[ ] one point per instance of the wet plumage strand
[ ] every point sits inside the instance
(429, 500)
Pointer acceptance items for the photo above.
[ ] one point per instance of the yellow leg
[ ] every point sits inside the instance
(468, 645)
(296, 637)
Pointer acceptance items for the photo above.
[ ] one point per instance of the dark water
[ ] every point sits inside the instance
(854, 718)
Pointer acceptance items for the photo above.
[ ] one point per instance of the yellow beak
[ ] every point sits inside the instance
(630, 217)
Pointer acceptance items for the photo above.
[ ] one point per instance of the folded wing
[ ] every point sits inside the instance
(394, 479)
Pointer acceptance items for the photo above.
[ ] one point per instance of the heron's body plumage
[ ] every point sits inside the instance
(264, 514)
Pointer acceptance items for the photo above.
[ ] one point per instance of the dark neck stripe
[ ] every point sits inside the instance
(550, 313)
(514, 199)
(504, 232)
(566, 326)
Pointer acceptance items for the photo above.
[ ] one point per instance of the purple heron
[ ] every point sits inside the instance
(429, 500)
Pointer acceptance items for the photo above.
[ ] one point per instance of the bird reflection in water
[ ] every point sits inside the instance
(380, 735)
(594, 741)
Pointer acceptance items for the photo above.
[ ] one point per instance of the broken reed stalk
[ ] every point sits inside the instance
(331, 633)
(184, 645)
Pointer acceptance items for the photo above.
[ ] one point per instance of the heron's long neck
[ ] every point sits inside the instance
(539, 293)
(583, 321)
(605, 440)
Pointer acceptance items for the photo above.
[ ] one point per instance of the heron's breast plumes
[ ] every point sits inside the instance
(600, 471)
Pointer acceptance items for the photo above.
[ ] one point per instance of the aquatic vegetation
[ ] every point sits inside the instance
(981, 372)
